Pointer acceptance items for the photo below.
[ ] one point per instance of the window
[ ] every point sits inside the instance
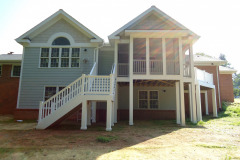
(16, 71)
(44, 57)
(61, 41)
(148, 99)
(60, 57)
(0, 70)
(51, 91)
(75, 57)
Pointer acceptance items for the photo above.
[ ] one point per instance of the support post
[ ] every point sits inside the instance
(194, 111)
(190, 101)
(199, 107)
(84, 115)
(116, 104)
(112, 119)
(131, 81)
(177, 103)
(40, 111)
(206, 102)
(214, 102)
(131, 102)
(109, 115)
(182, 105)
(89, 113)
(94, 108)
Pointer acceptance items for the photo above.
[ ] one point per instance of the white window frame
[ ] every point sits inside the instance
(60, 57)
(12, 70)
(148, 99)
(57, 89)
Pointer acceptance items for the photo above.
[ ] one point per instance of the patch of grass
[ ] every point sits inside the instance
(210, 146)
(106, 139)
(200, 123)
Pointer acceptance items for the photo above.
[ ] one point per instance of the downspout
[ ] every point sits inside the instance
(219, 98)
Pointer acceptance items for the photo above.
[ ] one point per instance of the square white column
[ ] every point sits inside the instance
(84, 115)
(177, 103)
(109, 116)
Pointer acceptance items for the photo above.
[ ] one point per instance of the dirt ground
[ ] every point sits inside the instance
(211, 139)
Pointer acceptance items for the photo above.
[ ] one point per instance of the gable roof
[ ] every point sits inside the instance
(52, 19)
(207, 61)
(226, 70)
(148, 11)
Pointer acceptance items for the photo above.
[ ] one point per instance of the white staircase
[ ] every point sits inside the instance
(65, 101)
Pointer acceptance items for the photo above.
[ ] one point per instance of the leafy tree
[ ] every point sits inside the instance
(223, 57)
(203, 54)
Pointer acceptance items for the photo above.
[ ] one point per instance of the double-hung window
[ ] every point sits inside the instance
(16, 71)
(44, 60)
(65, 57)
(75, 61)
(148, 99)
(55, 57)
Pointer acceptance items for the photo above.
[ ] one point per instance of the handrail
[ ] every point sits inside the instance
(203, 76)
(94, 69)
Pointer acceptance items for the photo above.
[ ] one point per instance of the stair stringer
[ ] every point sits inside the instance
(60, 112)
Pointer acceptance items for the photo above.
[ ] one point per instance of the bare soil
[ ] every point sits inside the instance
(212, 139)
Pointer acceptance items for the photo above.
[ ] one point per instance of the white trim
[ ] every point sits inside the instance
(57, 89)
(60, 34)
(13, 68)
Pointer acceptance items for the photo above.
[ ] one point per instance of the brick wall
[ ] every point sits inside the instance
(8, 91)
(226, 87)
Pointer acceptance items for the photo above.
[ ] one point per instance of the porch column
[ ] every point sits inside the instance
(116, 104)
(194, 113)
(206, 102)
(89, 113)
(177, 103)
(109, 116)
(180, 57)
(214, 102)
(190, 101)
(182, 105)
(94, 108)
(131, 81)
(199, 107)
(84, 115)
(131, 102)
(112, 118)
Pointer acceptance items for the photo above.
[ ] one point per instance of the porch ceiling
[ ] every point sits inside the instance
(147, 83)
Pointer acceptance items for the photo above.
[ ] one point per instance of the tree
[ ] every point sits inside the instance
(223, 57)
(203, 54)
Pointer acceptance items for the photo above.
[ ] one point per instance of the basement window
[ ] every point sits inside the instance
(148, 99)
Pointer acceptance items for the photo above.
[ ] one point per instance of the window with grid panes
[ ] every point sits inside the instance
(44, 60)
(148, 99)
(75, 61)
(65, 57)
(16, 71)
(55, 57)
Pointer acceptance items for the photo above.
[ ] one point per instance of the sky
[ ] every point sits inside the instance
(217, 22)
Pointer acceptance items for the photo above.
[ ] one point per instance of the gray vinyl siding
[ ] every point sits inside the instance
(61, 26)
(34, 79)
(105, 62)
(167, 100)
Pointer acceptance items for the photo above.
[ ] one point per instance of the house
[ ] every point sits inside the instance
(10, 67)
(145, 72)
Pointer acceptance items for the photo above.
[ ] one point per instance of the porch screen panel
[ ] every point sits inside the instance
(172, 56)
(155, 46)
(123, 59)
(186, 60)
(139, 55)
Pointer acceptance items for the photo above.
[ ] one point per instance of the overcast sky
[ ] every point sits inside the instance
(216, 21)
